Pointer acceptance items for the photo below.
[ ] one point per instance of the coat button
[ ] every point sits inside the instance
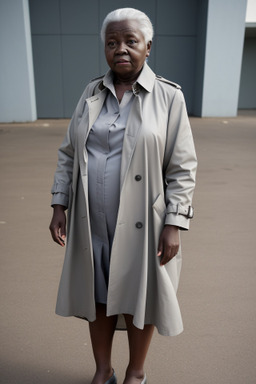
(139, 225)
(138, 177)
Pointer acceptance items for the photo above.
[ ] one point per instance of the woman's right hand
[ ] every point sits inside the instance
(58, 225)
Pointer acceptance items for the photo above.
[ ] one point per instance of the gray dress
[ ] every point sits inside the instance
(104, 147)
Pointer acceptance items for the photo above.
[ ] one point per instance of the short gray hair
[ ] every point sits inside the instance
(120, 14)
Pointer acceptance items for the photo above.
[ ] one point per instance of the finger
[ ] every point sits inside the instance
(56, 236)
(169, 254)
(168, 259)
(61, 240)
(160, 247)
(165, 256)
(165, 259)
(61, 237)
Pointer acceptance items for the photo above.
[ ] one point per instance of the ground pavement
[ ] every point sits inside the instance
(217, 291)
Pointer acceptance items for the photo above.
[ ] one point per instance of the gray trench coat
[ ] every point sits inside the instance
(156, 186)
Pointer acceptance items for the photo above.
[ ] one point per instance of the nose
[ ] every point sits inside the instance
(121, 49)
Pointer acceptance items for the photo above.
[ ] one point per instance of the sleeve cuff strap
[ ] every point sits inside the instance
(179, 209)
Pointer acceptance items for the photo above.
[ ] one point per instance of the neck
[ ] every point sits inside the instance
(126, 81)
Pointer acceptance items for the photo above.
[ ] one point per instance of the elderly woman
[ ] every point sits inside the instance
(126, 174)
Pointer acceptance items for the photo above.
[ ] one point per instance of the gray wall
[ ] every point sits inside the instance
(197, 44)
(200, 57)
(247, 96)
(176, 43)
(68, 52)
(17, 91)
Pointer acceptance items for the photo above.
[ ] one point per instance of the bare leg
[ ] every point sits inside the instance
(139, 341)
(102, 332)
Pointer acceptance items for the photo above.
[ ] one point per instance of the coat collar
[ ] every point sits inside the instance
(146, 80)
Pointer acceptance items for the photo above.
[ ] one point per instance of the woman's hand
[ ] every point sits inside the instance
(58, 225)
(168, 243)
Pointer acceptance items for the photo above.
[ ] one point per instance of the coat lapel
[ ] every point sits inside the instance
(92, 111)
(146, 80)
(95, 104)
(130, 138)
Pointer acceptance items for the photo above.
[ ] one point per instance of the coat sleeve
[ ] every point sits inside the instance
(64, 172)
(180, 165)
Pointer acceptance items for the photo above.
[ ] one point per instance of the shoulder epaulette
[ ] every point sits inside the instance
(168, 82)
(97, 78)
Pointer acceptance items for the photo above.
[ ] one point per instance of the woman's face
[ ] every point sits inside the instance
(125, 49)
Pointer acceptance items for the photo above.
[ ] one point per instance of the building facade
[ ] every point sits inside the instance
(52, 48)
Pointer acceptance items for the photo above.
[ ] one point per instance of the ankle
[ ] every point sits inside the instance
(134, 374)
(102, 374)
(105, 369)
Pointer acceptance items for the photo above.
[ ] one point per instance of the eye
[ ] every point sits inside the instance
(111, 44)
(131, 42)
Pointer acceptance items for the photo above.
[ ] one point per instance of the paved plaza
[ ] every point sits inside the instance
(217, 291)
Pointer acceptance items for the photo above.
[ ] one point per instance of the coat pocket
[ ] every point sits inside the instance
(159, 209)
(159, 206)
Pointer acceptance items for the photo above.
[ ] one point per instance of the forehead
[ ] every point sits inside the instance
(123, 27)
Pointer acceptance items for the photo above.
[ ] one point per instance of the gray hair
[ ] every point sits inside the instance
(120, 14)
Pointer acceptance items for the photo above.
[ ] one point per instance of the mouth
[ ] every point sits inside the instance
(122, 61)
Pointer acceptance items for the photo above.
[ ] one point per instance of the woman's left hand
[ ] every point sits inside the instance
(169, 243)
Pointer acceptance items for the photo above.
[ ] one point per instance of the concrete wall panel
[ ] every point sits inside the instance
(80, 60)
(177, 17)
(247, 95)
(17, 91)
(79, 17)
(175, 59)
(48, 75)
(224, 47)
(45, 16)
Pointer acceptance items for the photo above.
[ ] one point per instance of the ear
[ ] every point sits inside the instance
(149, 44)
